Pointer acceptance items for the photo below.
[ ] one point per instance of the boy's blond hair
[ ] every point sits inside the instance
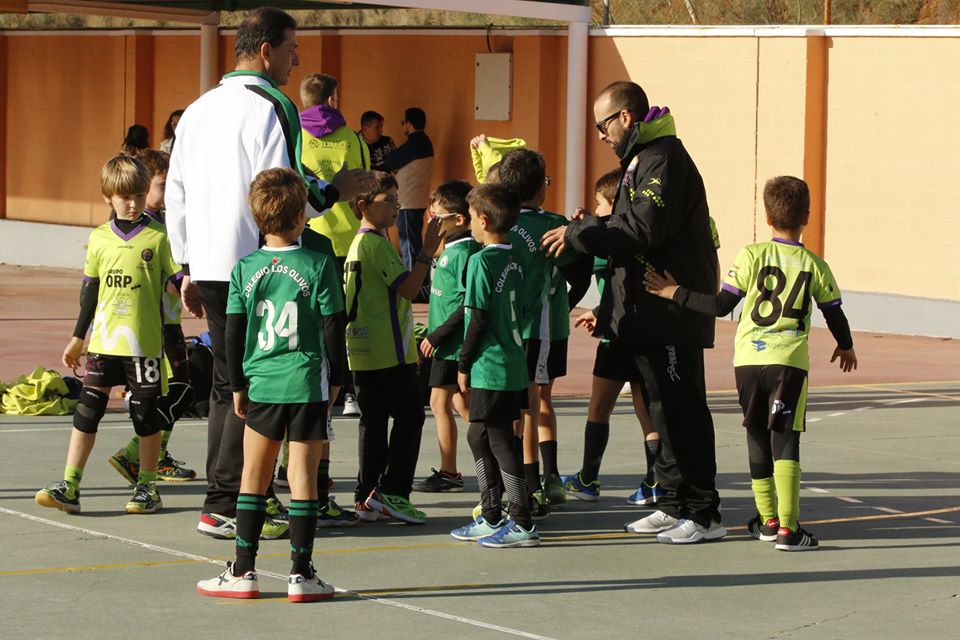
(123, 175)
(277, 198)
(316, 88)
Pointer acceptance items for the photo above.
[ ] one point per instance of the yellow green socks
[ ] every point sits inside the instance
(765, 495)
(132, 452)
(147, 477)
(786, 474)
(72, 476)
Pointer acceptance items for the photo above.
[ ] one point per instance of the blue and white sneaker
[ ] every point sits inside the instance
(477, 529)
(647, 494)
(512, 535)
(574, 487)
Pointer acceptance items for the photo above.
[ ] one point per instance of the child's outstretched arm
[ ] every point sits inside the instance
(706, 303)
(410, 285)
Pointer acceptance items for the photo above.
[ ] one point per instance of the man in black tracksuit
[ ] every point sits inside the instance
(660, 221)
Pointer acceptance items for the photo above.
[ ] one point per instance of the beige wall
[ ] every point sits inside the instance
(868, 121)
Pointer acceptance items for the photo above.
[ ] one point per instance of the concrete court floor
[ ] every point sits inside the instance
(881, 478)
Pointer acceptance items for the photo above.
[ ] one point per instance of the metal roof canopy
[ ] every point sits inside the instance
(206, 13)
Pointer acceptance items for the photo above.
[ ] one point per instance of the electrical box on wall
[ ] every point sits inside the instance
(493, 86)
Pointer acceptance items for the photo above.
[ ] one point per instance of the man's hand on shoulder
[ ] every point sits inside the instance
(553, 242)
(350, 183)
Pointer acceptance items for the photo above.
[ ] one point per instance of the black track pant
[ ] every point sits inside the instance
(497, 455)
(389, 461)
(224, 428)
(673, 384)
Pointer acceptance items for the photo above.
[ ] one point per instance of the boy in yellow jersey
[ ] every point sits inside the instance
(179, 395)
(382, 353)
(778, 279)
(127, 268)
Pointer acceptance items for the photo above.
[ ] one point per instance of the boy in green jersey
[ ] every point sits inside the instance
(382, 352)
(179, 395)
(447, 287)
(546, 317)
(127, 268)
(611, 370)
(777, 279)
(492, 367)
(285, 356)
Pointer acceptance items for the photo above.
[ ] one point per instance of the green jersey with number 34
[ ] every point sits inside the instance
(284, 292)
(495, 284)
(778, 279)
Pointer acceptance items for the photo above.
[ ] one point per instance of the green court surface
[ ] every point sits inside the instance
(881, 489)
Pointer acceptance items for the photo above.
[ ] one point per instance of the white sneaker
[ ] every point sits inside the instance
(227, 585)
(351, 408)
(688, 531)
(300, 589)
(217, 526)
(654, 523)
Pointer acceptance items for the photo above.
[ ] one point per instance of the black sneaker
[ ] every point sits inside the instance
(539, 506)
(440, 482)
(766, 532)
(281, 479)
(798, 540)
(57, 496)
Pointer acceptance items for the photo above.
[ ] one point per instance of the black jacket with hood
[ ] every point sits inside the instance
(661, 221)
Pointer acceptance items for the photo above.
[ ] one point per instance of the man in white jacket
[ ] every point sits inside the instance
(224, 139)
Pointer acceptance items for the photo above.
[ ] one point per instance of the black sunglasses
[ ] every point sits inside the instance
(602, 125)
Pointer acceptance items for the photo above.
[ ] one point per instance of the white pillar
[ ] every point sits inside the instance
(209, 37)
(577, 120)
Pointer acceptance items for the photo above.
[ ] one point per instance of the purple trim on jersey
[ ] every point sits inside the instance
(790, 242)
(831, 303)
(90, 279)
(177, 277)
(128, 236)
(368, 230)
(732, 289)
(156, 216)
(395, 317)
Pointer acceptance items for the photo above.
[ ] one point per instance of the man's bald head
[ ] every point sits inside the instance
(624, 95)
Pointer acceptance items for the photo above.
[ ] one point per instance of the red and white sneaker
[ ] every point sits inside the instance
(313, 589)
(217, 526)
(366, 514)
(227, 585)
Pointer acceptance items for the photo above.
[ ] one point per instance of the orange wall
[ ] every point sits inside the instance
(868, 121)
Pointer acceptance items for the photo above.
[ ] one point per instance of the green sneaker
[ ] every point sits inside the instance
(276, 510)
(333, 515)
(274, 529)
(56, 495)
(395, 506)
(553, 488)
(170, 470)
(146, 499)
(477, 511)
(129, 470)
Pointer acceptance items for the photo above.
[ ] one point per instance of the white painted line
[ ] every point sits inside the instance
(906, 401)
(939, 521)
(101, 428)
(862, 408)
(836, 415)
(269, 574)
(850, 500)
(814, 419)
(816, 489)
(886, 509)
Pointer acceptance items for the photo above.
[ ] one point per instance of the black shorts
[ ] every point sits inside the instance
(772, 397)
(546, 361)
(175, 348)
(298, 421)
(443, 373)
(141, 375)
(496, 406)
(615, 361)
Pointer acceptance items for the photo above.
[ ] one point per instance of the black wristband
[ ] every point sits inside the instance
(423, 258)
